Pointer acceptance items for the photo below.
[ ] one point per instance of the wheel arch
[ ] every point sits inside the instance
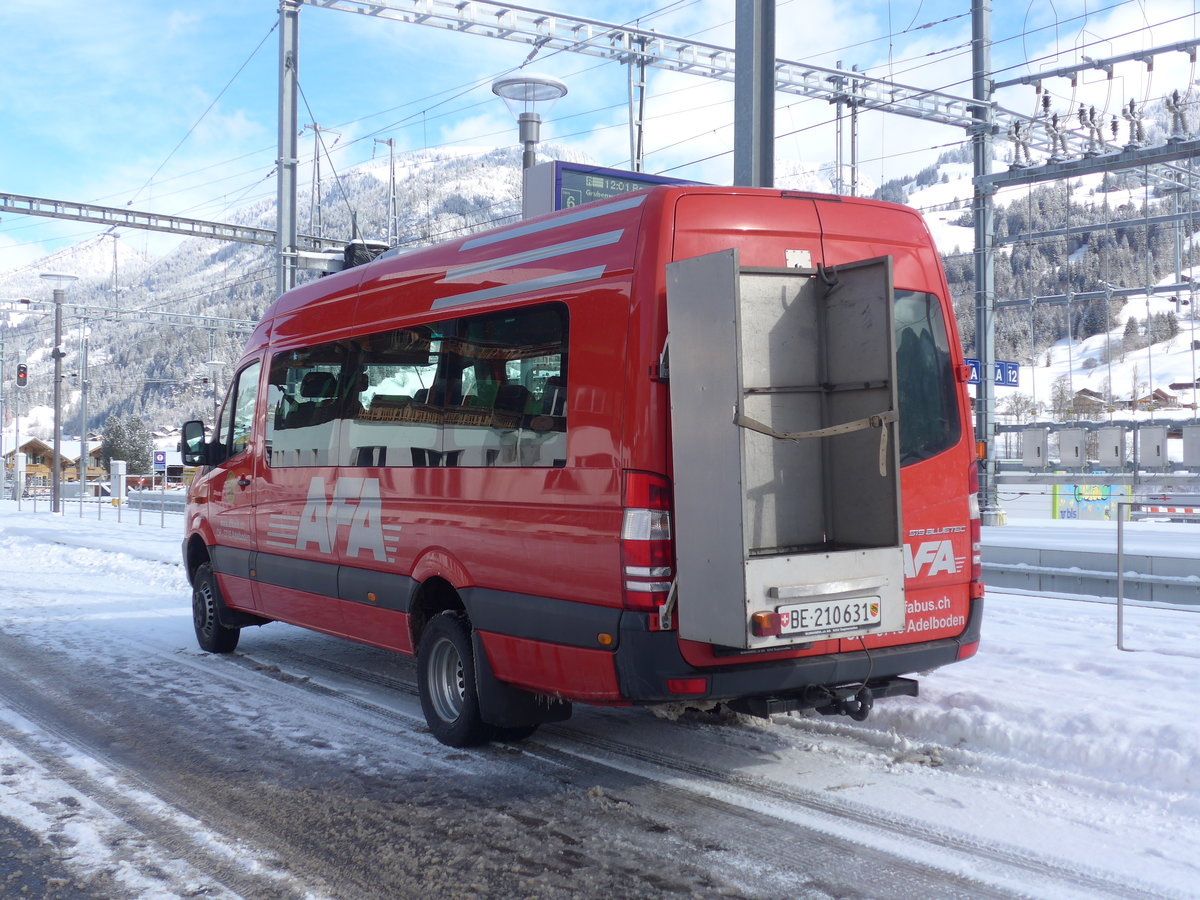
(196, 553)
(440, 579)
(433, 596)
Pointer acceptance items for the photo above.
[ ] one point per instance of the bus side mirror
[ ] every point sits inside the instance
(191, 445)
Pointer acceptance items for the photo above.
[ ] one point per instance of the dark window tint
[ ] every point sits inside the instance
(398, 392)
(480, 391)
(929, 415)
(307, 394)
(505, 389)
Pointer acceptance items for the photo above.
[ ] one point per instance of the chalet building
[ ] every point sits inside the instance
(39, 460)
(94, 468)
(1158, 398)
(1089, 402)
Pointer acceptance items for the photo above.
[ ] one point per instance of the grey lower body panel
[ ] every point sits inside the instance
(646, 660)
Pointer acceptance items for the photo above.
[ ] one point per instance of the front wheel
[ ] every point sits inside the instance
(210, 633)
(446, 682)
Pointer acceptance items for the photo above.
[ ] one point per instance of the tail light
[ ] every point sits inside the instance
(647, 555)
(975, 531)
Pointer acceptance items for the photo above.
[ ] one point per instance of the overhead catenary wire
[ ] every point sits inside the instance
(944, 87)
(207, 110)
(646, 17)
(671, 7)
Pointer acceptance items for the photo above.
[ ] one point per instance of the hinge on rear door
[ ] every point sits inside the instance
(662, 371)
(664, 611)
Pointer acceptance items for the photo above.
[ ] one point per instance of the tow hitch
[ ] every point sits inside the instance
(853, 701)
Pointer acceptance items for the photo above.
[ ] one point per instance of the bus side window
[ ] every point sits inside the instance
(486, 390)
(308, 392)
(510, 368)
(398, 423)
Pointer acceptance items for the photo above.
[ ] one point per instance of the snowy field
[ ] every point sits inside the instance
(1050, 743)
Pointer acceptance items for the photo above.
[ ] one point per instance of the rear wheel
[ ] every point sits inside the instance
(446, 682)
(210, 633)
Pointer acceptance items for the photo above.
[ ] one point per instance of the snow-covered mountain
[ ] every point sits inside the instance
(1121, 350)
(139, 366)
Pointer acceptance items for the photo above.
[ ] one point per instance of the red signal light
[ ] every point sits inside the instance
(22, 375)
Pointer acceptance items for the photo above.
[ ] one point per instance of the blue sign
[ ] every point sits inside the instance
(1004, 373)
(160, 460)
(1008, 374)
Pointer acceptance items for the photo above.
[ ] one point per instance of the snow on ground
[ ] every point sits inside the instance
(1049, 739)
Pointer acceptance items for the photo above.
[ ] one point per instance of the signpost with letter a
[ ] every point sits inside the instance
(1005, 373)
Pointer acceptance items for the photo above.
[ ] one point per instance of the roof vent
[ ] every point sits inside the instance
(359, 252)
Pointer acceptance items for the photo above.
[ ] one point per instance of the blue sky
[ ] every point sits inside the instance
(170, 106)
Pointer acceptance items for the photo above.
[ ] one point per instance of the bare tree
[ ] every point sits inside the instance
(1020, 407)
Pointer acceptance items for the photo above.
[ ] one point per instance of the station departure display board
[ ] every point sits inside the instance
(557, 185)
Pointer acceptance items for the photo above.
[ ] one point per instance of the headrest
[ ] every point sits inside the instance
(318, 385)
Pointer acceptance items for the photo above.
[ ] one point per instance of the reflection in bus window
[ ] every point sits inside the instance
(928, 399)
(398, 421)
(485, 390)
(237, 415)
(505, 378)
(304, 405)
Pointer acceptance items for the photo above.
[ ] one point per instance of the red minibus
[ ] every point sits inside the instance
(686, 445)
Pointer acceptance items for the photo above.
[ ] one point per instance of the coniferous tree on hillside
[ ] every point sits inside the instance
(128, 438)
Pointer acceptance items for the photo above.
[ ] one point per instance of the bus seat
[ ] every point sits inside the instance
(316, 391)
(318, 386)
(512, 398)
(390, 401)
(554, 397)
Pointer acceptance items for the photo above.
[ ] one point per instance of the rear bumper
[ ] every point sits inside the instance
(646, 661)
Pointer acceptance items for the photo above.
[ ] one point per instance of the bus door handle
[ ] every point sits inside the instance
(243, 482)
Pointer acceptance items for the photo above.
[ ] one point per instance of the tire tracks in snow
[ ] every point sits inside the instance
(1008, 868)
(142, 842)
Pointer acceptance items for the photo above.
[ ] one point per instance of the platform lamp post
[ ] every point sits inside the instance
(522, 93)
(84, 331)
(21, 375)
(60, 282)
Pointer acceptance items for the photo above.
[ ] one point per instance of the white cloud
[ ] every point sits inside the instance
(181, 23)
(15, 254)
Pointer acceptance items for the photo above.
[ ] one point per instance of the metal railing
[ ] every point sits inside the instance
(1124, 509)
(145, 504)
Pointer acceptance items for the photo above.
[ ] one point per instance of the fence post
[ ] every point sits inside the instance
(1122, 510)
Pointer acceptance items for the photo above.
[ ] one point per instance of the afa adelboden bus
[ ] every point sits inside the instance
(690, 444)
